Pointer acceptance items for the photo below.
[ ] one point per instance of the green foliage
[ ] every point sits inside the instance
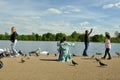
(117, 34)
(97, 38)
(4, 36)
(116, 40)
(81, 37)
(59, 36)
(48, 37)
(75, 36)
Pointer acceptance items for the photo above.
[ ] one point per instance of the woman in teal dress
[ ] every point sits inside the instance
(65, 55)
(59, 49)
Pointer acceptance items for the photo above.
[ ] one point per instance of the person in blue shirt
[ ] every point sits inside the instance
(86, 41)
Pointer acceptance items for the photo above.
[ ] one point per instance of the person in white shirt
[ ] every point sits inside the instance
(108, 47)
(13, 39)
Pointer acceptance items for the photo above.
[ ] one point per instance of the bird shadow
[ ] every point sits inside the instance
(102, 66)
(21, 62)
(87, 58)
(49, 59)
(72, 65)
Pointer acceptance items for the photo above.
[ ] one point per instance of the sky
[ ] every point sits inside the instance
(60, 16)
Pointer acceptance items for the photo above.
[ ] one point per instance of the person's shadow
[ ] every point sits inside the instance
(49, 59)
(87, 58)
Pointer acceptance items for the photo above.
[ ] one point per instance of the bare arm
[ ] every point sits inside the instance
(90, 31)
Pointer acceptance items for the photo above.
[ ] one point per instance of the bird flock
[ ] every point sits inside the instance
(92, 57)
(74, 63)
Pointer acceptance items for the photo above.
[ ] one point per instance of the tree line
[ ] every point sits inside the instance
(75, 36)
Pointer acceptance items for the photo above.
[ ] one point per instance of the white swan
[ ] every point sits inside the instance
(2, 50)
(44, 52)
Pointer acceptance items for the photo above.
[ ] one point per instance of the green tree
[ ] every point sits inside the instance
(7, 36)
(48, 37)
(75, 36)
(81, 37)
(38, 37)
(33, 36)
(23, 37)
(97, 38)
(117, 34)
(59, 36)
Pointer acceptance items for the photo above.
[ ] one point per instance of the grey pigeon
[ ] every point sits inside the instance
(74, 63)
(74, 55)
(20, 52)
(22, 60)
(37, 54)
(102, 64)
(47, 53)
(1, 64)
(97, 59)
(117, 54)
(55, 54)
(98, 53)
(92, 56)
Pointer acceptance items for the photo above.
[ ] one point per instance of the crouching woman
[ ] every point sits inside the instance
(65, 52)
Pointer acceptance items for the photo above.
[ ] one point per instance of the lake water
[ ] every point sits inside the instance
(51, 47)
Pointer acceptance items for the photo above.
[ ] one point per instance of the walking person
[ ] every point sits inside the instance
(107, 46)
(86, 41)
(13, 39)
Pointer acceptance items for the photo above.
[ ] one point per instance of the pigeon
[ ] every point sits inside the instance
(117, 54)
(74, 63)
(37, 54)
(102, 64)
(22, 60)
(92, 56)
(1, 64)
(25, 55)
(47, 53)
(98, 53)
(1, 55)
(74, 55)
(97, 59)
(20, 52)
(28, 58)
(55, 54)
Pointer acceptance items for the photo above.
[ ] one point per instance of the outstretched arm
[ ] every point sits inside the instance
(90, 31)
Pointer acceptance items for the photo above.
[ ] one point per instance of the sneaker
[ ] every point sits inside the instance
(85, 55)
(108, 58)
